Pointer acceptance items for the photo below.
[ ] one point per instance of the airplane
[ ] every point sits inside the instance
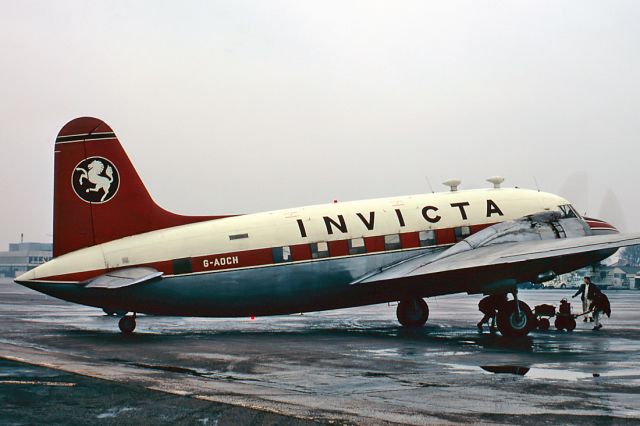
(114, 248)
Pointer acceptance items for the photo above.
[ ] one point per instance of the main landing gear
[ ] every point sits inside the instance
(412, 312)
(515, 318)
(127, 324)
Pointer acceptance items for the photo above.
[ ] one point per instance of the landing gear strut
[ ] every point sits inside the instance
(412, 312)
(127, 324)
(115, 312)
(515, 319)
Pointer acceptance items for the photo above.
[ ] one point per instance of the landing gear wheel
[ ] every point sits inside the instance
(560, 323)
(544, 324)
(412, 312)
(127, 324)
(571, 324)
(512, 324)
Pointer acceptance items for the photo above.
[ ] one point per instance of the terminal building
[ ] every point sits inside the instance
(22, 257)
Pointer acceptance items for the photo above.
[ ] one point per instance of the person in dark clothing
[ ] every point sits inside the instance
(585, 291)
(489, 306)
(599, 304)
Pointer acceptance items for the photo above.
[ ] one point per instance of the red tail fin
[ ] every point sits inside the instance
(98, 195)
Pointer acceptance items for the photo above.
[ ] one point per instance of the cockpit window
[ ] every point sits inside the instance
(568, 211)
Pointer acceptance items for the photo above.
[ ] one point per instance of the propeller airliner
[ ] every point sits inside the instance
(116, 249)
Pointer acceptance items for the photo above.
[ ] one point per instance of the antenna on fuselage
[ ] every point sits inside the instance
(536, 182)
(429, 183)
(496, 181)
(452, 184)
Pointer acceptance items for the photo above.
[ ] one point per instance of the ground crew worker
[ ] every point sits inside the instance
(489, 306)
(583, 291)
(599, 304)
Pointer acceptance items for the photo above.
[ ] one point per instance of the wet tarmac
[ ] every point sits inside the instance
(348, 366)
(32, 395)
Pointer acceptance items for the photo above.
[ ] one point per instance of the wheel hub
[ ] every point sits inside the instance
(518, 320)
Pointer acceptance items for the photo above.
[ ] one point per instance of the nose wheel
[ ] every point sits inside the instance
(412, 312)
(127, 324)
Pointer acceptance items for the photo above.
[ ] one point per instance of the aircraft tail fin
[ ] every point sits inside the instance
(98, 195)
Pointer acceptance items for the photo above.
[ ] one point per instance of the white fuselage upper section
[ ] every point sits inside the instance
(303, 225)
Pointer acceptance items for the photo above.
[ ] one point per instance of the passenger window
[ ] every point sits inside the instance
(356, 246)
(281, 254)
(427, 238)
(462, 232)
(319, 250)
(392, 242)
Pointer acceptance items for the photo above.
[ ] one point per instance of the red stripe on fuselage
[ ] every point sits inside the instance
(445, 236)
(374, 244)
(410, 240)
(232, 260)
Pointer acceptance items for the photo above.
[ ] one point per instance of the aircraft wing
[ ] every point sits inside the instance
(126, 277)
(503, 255)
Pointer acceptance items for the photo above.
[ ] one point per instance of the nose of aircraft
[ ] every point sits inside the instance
(600, 227)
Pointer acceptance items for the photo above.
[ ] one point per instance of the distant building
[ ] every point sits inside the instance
(605, 276)
(22, 257)
(624, 276)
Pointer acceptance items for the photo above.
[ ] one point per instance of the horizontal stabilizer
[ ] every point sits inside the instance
(124, 278)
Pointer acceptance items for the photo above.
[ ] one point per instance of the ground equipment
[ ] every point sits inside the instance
(564, 319)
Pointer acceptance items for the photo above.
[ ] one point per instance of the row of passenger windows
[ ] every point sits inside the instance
(320, 250)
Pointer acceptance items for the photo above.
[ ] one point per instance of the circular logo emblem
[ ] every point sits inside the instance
(95, 180)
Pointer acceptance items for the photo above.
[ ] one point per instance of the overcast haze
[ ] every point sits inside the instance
(246, 106)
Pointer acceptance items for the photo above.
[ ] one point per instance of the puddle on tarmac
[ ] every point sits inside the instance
(506, 369)
(387, 352)
(114, 412)
(553, 374)
(534, 373)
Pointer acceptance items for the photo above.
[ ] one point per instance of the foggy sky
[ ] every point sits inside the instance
(245, 106)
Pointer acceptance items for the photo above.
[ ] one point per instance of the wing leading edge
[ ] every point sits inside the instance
(484, 264)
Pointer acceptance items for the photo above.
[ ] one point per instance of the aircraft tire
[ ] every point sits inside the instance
(512, 326)
(412, 312)
(127, 324)
(544, 324)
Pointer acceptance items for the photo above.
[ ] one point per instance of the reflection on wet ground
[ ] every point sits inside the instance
(506, 369)
(354, 365)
